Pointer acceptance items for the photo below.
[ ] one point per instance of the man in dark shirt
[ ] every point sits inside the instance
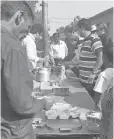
(107, 46)
(18, 107)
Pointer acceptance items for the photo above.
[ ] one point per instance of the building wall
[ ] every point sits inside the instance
(105, 17)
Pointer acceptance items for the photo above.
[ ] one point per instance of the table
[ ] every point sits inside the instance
(79, 97)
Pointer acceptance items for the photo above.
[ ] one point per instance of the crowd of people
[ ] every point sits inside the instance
(92, 62)
(90, 58)
(18, 107)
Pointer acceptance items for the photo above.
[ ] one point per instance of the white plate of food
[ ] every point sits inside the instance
(61, 106)
(38, 122)
(64, 114)
(51, 114)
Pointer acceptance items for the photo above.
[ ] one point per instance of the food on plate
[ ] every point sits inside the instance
(51, 114)
(63, 111)
(64, 114)
(38, 122)
(74, 113)
(37, 94)
(61, 106)
(73, 109)
(96, 115)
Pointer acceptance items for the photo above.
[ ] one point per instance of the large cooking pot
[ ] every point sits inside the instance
(43, 74)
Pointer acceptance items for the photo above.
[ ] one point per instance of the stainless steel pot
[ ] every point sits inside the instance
(43, 74)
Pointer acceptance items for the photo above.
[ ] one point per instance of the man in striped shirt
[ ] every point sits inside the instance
(90, 57)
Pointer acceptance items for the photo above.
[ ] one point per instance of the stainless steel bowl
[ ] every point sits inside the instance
(43, 74)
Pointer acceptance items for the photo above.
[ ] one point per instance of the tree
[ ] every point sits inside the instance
(37, 10)
(60, 30)
(69, 29)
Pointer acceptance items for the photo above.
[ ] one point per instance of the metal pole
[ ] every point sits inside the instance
(44, 23)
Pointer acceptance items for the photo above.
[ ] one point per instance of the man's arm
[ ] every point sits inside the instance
(51, 55)
(99, 61)
(66, 49)
(51, 50)
(97, 49)
(97, 65)
(19, 85)
(31, 56)
(72, 62)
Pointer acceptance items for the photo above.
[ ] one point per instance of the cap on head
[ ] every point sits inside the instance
(94, 28)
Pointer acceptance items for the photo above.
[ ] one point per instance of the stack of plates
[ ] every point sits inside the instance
(38, 122)
(62, 111)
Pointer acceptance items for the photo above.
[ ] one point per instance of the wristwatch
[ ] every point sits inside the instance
(95, 72)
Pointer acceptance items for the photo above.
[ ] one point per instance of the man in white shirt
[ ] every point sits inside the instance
(103, 83)
(58, 49)
(30, 45)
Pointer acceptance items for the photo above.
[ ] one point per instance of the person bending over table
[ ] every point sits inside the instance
(29, 43)
(76, 57)
(18, 107)
(90, 57)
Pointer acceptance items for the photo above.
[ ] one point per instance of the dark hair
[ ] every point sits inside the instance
(54, 34)
(85, 23)
(69, 28)
(36, 28)
(9, 8)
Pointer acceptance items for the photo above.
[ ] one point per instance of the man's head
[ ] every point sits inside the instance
(17, 15)
(102, 29)
(56, 37)
(84, 27)
(37, 31)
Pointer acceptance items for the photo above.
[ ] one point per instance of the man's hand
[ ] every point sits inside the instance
(48, 103)
(65, 63)
(71, 66)
(51, 59)
(75, 63)
(91, 78)
(36, 93)
(74, 42)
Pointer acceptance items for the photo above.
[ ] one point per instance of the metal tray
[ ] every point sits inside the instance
(61, 91)
(64, 125)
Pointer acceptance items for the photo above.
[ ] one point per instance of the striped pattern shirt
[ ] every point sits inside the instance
(88, 56)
